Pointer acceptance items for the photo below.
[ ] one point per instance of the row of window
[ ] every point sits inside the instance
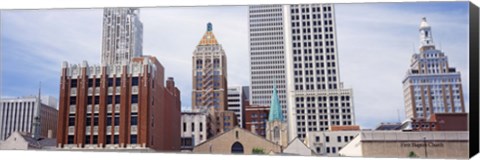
(110, 82)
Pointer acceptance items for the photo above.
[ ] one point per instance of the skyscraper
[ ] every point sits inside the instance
(209, 74)
(122, 35)
(431, 85)
(296, 45)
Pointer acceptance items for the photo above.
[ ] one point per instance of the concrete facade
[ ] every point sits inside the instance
(122, 37)
(193, 129)
(296, 46)
(226, 142)
(236, 103)
(329, 143)
(297, 147)
(395, 144)
(18, 114)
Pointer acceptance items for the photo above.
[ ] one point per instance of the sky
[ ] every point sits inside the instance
(375, 44)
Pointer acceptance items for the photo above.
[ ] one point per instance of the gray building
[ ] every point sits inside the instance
(236, 103)
(193, 129)
(296, 46)
(431, 84)
(122, 35)
(28, 114)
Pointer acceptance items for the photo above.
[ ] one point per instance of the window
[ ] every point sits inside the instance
(117, 99)
(134, 120)
(135, 81)
(109, 99)
(117, 120)
(97, 99)
(133, 139)
(193, 127)
(134, 99)
(73, 83)
(73, 100)
(97, 82)
(95, 139)
(334, 150)
(339, 138)
(317, 139)
(118, 81)
(109, 139)
(327, 139)
(71, 121)
(110, 82)
(184, 127)
(201, 127)
(109, 121)
(328, 149)
(115, 139)
(70, 140)
(345, 138)
(89, 100)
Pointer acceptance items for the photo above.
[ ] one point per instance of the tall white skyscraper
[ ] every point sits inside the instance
(431, 85)
(296, 46)
(122, 35)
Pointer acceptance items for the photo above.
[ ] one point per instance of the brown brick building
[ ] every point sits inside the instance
(256, 116)
(118, 106)
(442, 122)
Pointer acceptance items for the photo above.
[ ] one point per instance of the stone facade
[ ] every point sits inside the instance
(224, 143)
(396, 144)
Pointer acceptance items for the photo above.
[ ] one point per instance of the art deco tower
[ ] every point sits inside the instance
(209, 74)
(122, 35)
(431, 85)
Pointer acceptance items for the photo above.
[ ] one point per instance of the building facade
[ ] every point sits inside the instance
(122, 35)
(329, 143)
(431, 85)
(236, 103)
(194, 129)
(267, 54)
(301, 42)
(256, 118)
(237, 141)
(442, 122)
(20, 114)
(209, 74)
(394, 144)
(118, 106)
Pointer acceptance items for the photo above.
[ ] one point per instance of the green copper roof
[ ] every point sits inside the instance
(275, 107)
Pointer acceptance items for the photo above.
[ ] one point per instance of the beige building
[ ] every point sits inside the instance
(396, 144)
(237, 141)
(297, 147)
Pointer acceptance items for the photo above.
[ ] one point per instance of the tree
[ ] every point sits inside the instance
(412, 154)
(258, 151)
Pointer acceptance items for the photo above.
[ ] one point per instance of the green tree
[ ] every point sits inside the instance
(412, 155)
(258, 151)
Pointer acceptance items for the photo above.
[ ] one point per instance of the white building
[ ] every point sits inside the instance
(295, 45)
(19, 114)
(329, 143)
(431, 85)
(297, 147)
(193, 129)
(122, 35)
(236, 100)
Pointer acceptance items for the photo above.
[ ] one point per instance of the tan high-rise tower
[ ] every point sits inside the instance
(209, 74)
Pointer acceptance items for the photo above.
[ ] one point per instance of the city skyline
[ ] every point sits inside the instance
(28, 37)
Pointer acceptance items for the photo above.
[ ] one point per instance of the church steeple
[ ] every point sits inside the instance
(275, 107)
(426, 37)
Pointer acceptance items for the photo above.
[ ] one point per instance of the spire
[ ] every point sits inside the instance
(36, 118)
(275, 107)
(426, 37)
(208, 38)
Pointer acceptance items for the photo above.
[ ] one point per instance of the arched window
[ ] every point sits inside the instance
(237, 147)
